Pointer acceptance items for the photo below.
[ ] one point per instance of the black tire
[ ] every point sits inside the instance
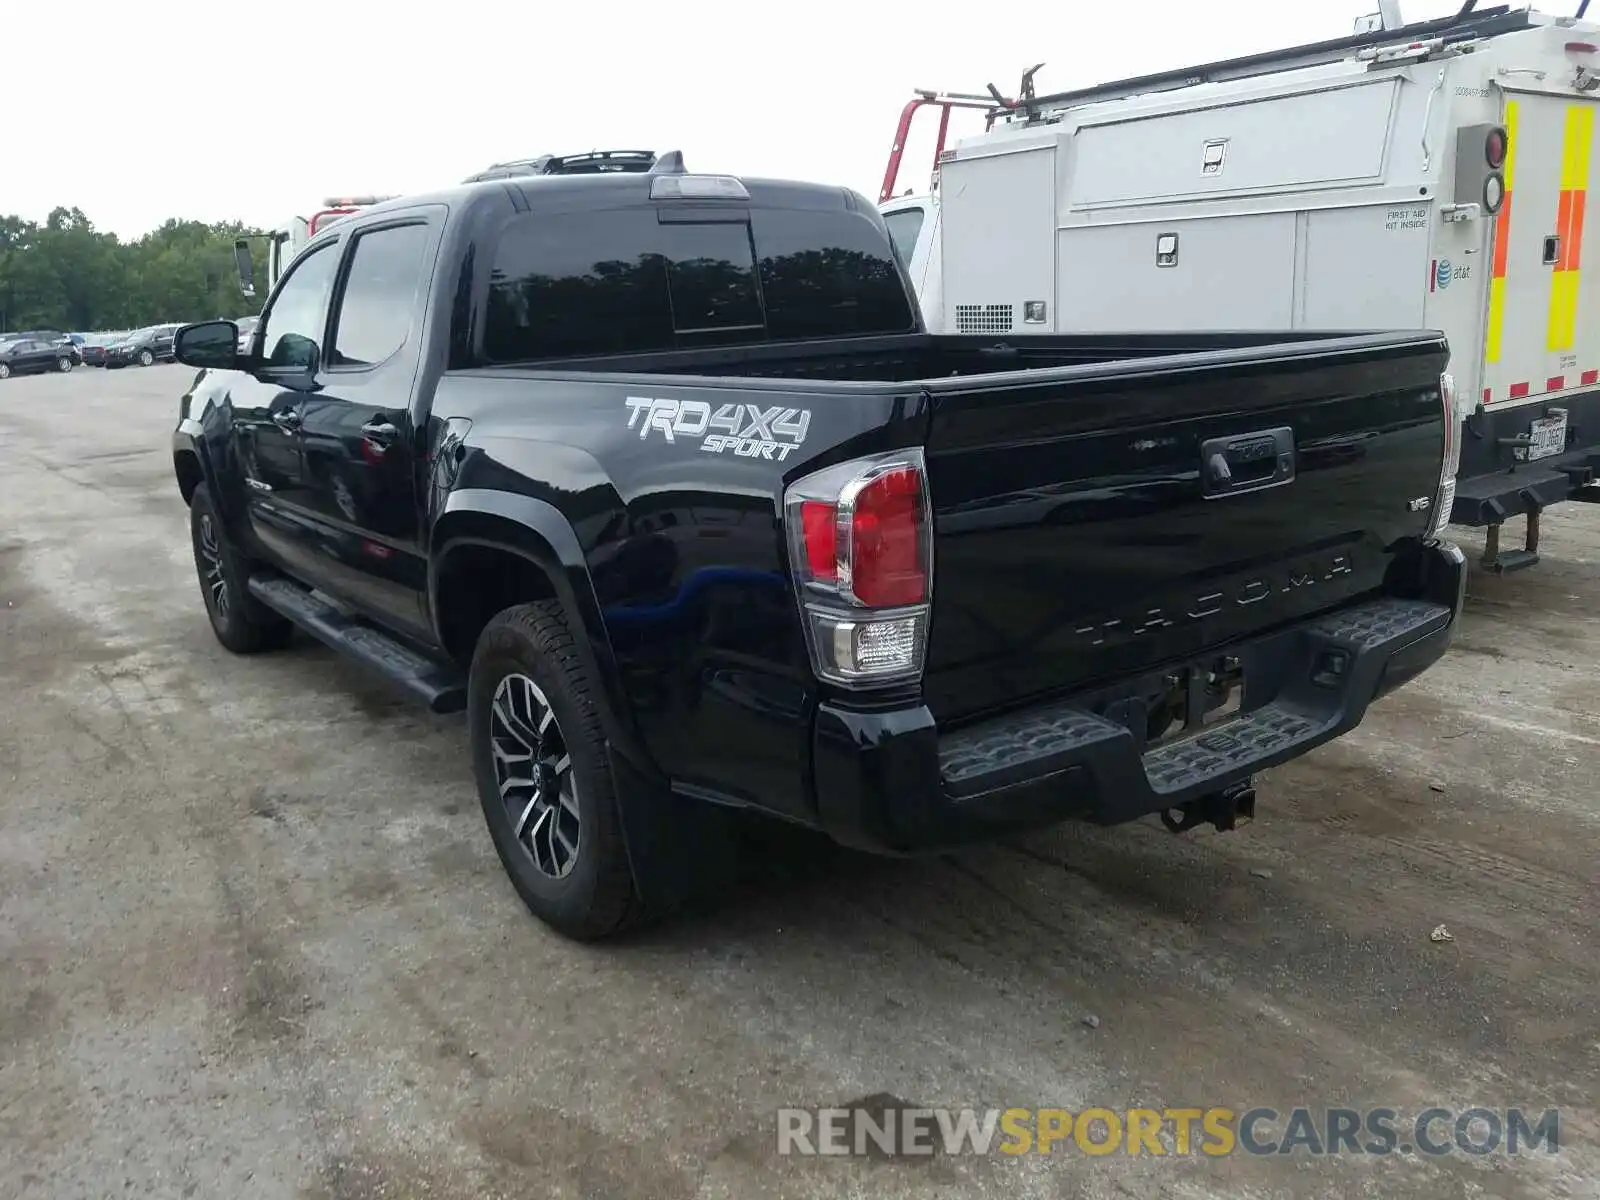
(5, 370)
(64, 365)
(595, 897)
(241, 622)
(146, 359)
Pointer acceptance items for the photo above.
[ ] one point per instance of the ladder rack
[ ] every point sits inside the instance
(1465, 25)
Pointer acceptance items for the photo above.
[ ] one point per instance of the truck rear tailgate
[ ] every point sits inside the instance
(1100, 522)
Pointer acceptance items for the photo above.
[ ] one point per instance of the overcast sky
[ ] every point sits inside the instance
(214, 110)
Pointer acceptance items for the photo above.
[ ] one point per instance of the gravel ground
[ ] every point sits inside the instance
(254, 941)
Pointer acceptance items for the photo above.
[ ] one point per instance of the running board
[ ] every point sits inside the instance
(440, 688)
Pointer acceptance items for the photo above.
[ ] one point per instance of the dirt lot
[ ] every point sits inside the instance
(254, 941)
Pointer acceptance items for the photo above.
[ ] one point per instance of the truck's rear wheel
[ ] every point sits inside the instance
(241, 622)
(543, 778)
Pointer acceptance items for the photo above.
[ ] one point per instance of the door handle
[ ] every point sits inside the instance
(287, 419)
(1246, 462)
(380, 433)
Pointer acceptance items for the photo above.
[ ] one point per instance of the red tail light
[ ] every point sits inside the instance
(887, 561)
(818, 522)
(861, 548)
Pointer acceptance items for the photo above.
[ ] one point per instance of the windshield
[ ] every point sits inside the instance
(904, 225)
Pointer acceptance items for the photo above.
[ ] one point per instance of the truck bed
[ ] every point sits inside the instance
(1081, 533)
(923, 357)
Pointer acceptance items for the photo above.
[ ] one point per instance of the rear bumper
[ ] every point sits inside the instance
(1495, 498)
(890, 782)
(1493, 487)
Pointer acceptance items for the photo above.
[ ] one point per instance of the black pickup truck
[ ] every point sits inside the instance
(659, 477)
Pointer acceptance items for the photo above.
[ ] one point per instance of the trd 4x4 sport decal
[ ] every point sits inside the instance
(747, 430)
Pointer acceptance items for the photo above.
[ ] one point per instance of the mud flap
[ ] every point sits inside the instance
(681, 851)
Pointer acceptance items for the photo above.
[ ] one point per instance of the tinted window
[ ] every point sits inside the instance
(294, 323)
(828, 274)
(711, 276)
(380, 295)
(573, 284)
(622, 282)
(903, 229)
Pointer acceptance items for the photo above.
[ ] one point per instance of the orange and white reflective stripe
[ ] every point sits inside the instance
(1562, 332)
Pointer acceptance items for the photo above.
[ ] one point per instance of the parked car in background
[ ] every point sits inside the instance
(95, 347)
(47, 337)
(146, 347)
(27, 356)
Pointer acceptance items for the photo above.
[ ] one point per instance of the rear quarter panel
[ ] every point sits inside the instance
(682, 538)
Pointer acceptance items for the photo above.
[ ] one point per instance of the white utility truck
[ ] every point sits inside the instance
(287, 240)
(1432, 175)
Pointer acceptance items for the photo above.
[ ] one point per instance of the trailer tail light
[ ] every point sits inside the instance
(861, 549)
(1494, 148)
(1445, 500)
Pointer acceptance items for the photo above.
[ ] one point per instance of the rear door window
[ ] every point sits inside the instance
(379, 297)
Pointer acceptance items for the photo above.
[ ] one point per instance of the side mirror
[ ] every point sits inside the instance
(292, 362)
(212, 344)
(246, 268)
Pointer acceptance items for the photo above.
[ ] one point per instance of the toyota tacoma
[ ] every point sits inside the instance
(659, 477)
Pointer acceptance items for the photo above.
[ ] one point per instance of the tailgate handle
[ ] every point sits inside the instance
(1247, 462)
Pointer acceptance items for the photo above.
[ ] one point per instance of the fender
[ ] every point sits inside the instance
(538, 531)
(204, 434)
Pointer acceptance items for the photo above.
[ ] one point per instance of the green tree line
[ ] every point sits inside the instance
(65, 274)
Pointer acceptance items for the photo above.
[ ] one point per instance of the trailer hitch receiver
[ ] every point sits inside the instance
(1224, 810)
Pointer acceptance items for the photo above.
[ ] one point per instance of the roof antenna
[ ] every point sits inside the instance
(1583, 7)
(670, 163)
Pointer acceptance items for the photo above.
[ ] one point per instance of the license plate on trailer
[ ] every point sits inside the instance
(1547, 436)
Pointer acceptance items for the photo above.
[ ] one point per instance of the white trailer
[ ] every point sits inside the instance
(1432, 175)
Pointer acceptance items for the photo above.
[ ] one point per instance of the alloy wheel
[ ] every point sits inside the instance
(216, 582)
(533, 770)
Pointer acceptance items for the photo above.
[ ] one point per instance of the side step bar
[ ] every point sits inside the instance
(442, 689)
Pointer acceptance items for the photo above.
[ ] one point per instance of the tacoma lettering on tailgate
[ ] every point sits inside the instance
(1207, 604)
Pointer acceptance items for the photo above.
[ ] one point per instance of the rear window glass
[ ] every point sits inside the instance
(711, 276)
(828, 274)
(575, 284)
(569, 285)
